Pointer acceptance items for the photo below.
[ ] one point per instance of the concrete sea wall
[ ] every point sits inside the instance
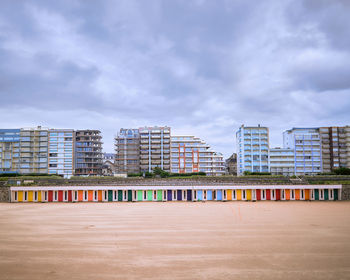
(4, 194)
(345, 192)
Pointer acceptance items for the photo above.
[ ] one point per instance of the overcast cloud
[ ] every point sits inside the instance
(201, 67)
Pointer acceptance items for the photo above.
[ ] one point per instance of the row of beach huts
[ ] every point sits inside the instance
(173, 193)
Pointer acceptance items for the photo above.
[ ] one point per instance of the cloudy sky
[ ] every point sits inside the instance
(201, 67)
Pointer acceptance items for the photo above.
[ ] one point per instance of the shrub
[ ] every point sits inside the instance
(9, 175)
(342, 171)
(255, 173)
(140, 174)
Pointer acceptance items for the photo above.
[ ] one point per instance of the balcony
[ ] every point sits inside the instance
(155, 157)
(155, 146)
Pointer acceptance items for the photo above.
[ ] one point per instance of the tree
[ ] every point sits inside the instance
(160, 172)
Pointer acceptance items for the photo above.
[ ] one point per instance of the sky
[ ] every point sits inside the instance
(203, 68)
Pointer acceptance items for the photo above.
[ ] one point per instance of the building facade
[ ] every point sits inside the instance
(108, 167)
(335, 147)
(154, 148)
(191, 154)
(9, 150)
(127, 151)
(34, 150)
(306, 144)
(252, 149)
(61, 152)
(231, 165)
(282, 161)
(88, 152)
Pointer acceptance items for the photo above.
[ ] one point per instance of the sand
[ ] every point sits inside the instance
(212, 240)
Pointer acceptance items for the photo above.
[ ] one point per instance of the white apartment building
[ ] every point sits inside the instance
(191, 154)
(252, 149)
(60, 160)
(282, 161)
(33, 150)
(154, 148)
(306, 144)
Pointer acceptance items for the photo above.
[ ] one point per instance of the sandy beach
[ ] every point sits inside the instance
(211, 240)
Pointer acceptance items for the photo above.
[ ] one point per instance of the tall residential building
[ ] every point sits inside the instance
(347, 140)
(191, 154)
(252, 149)
(127, 149)
(88, 152)
(154, 148)
(282, 161)
(335, 147)
(306, 144)
(61, 152)
(33, 150)
(9, 150)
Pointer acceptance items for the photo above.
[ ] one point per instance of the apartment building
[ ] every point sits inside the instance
(252, 149)
(154, 148)
(127, 151)
(347, 140)
(88, 152)
(281, 161)
(191, 154)
(9, 150)
(306, 144)
(61, 152)
(33, 150)
(335, 147)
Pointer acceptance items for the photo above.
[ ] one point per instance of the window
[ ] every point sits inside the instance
(155, 195)
(35, 196)
(164, 194)
(95, 195)
(15, 195)
(66, 195)
(144, 195)
(105, 195)
(234, 194)
(85, 195)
